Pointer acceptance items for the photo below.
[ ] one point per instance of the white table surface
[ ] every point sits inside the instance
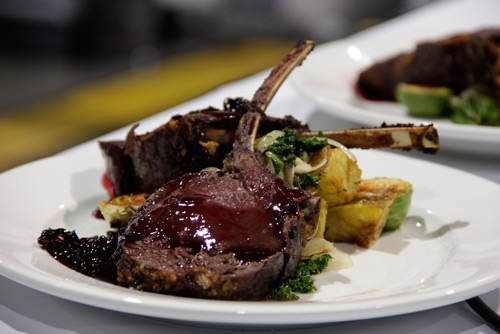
(24, 310)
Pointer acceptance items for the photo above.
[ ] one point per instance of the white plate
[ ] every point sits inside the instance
(328, 77)
(447, 250)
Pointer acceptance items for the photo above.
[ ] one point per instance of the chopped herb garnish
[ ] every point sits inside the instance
(284, 146)
(289, 146)
(308, 180)
(278, 162)
(311, 144)
(301, 281)
(313, 266)
(283, 292)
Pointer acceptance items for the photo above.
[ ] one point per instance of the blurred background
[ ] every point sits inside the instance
(71, 70)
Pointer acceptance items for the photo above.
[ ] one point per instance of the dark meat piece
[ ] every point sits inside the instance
(192, 142)
(119, 167)
(216, 235)
(185, 144)
(455, 62)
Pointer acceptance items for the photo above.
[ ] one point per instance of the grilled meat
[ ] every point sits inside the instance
(187, 143)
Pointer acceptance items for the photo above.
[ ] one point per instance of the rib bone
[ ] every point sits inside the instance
(400, 136)
(272, 83)
(250, 121)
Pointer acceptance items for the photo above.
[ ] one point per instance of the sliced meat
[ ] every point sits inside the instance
(208, 235)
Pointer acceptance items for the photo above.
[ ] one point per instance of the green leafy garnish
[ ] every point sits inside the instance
(278, 162)
(301, 281)
(474, 108)
(289, 146)
(313, 266)
(308, 180)
(284, 147)
(311, 144)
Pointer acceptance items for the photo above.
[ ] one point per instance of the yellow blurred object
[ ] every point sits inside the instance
(44, 128)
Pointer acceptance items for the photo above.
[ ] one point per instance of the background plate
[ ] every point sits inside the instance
(328, 75)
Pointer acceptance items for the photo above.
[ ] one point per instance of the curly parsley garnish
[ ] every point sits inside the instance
(301, 281)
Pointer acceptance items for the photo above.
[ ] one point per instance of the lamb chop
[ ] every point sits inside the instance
(202, 139)
(187, 143)
(223, 235)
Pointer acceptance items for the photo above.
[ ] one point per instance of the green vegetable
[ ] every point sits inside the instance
(391, 192)
(380, 204)
(312, 144)
(399, 208)
(424, 101)
(308, 180)
(289, 146)
(118, 210)
(301, 281)
(283, 149)
(472, 107)
(278, 162)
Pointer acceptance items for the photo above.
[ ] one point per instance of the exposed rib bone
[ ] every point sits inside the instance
(249, 123)
(272, 83)
(400, 136)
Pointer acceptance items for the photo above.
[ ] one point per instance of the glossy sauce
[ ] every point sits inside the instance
(210, 212)
(92, 256)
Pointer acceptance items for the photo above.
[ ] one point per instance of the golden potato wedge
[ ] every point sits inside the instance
(338, 177)
(379, 203)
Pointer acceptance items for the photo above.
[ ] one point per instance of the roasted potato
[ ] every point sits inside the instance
(379, 203)
(339, 177)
